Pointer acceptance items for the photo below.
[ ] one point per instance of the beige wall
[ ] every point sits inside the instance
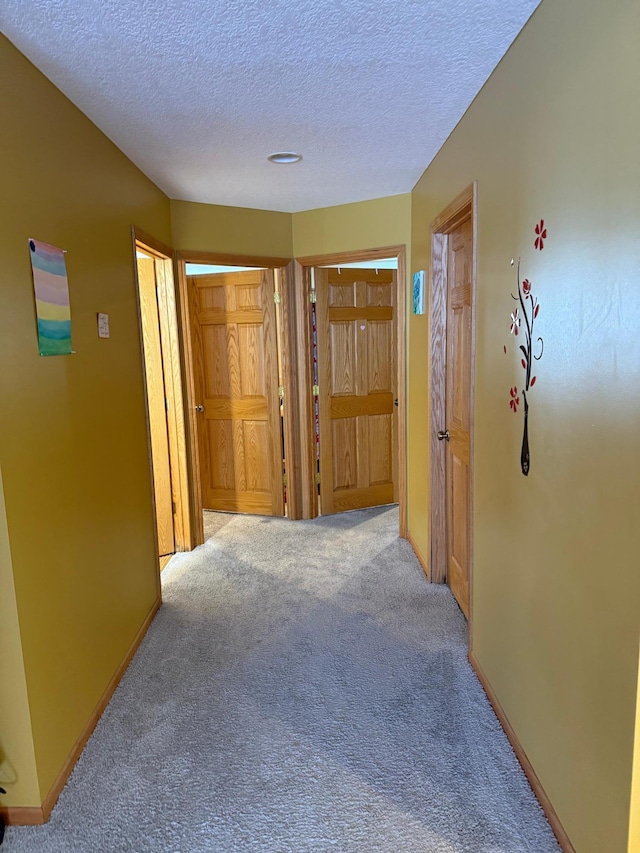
(555, 133)
(73, 443)
(232, 230)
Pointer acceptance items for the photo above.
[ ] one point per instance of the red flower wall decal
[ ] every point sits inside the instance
(524, 317)
(541, 231)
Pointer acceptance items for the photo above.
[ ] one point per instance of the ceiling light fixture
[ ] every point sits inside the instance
(285, 157)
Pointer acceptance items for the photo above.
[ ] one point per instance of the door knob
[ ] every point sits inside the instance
(199, 408)
(443, 434)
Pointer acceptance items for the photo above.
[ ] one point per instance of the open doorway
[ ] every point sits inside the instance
(163, 392)
(356, 380)
(242, 440)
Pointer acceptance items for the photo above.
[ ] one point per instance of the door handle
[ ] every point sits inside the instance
(199, 408)
(443, 434)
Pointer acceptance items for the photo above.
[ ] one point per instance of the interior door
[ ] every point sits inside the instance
(458, 410)
(356, 328)
(156, 405)
(235, 364)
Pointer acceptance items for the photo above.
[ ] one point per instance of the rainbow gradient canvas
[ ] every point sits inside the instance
(52, 298)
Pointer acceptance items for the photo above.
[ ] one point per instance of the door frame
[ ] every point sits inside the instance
(303, 340)
(284, 268)
(463, 207)
(165, 282)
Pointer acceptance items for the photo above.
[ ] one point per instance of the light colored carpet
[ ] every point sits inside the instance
(302, 690)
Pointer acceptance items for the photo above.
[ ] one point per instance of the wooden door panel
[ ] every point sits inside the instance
(380, 294)
(379, 367)
(461, 350)
(221, 454)
(341, 294)
(458, 411)
(211, 295)
(357, 378)
(345, 453)
(460, 501)
(248, 297)
(251, 357)
(364, 452)
(257, 449)
(380, 449)
(343, 358)
(216, 362)
(236, 378)
(156, 405)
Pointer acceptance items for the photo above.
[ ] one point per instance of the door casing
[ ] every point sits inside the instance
(464, 206)
(234, 323)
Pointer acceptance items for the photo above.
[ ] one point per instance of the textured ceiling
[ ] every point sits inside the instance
(199, 92)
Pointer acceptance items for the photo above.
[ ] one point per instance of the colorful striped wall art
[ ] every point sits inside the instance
(51, 290)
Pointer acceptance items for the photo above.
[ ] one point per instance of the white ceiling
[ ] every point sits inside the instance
(199, 92)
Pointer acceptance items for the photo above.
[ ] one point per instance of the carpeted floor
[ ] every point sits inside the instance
(302, 690)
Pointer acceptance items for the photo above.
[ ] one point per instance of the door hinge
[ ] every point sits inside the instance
(316, 390)
(281, 391)
(166, 404)
(276, 297)
(174, 508)
(285, 480)
(317, 479)
(312, 296)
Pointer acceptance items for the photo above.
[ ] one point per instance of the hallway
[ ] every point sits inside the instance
(303, 688)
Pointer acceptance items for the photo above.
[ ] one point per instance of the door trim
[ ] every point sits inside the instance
(464, 206)
(289, 353)
(303, 267)
(178, 456)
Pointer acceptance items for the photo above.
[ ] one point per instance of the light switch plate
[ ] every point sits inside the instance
(103, 326)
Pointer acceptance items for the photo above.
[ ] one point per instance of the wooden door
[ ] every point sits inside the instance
(156, 405)
(356, 328)
(235, 365)
(458, 410)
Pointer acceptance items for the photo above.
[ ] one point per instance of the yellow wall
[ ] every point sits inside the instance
(232, 230)
(73, 442)
(244, 231)
(555, 133)
(346, 227)
(18, 773)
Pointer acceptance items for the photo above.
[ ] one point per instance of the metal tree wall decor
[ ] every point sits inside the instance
(523, 320)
